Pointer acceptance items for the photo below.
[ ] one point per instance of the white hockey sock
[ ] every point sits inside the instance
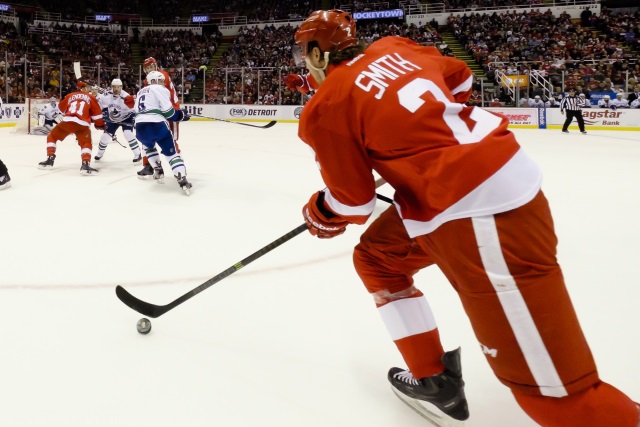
(177, 165)
(105, 139)
(152, 155)
(135, 147)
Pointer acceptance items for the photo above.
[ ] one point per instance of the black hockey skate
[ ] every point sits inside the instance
(97, 158)
(47, 163)
(137, 161)
(146, 172)
(184, 184)
(85, 169)
(5, 181)
(439, 398)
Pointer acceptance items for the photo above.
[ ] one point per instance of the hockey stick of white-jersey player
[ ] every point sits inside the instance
(152, 310)
(267, 126)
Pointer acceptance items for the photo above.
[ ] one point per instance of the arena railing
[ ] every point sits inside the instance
(364, 7)
(555, 78)
(413, 8)
(242, 85)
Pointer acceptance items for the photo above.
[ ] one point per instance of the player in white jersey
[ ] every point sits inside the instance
(154, 112)
(117, 111)
(587, 103)
(620, 102)
(51, 115)
(605, 102)
(536, 102)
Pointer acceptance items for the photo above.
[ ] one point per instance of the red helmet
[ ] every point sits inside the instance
(333, 30)
(148, 62)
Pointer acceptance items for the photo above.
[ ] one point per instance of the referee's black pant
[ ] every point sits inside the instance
(570, 115)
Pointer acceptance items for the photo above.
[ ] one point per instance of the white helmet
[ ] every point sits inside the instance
(116, 86)
(155, 78)
(607, 97)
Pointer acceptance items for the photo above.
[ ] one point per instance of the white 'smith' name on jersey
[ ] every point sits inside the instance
(388, 67)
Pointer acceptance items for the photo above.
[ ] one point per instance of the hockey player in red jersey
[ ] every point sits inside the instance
(467, 199)
(149, 65)
(80, 109)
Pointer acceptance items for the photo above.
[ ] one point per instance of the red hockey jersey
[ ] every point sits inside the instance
(397, 109)
(82, 108)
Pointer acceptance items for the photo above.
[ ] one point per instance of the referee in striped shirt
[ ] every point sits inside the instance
(573, 106)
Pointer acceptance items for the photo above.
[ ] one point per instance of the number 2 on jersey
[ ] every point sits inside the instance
(410, 98)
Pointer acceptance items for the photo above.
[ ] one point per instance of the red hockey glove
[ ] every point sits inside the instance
(129, 101)
(293, 81)
(320, 220)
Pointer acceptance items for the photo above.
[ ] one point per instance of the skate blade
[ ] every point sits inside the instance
(44, 167)
(159, 180)
(89, 173)
(187, 191)
(145, 177)
(429, 412)
(137, 162)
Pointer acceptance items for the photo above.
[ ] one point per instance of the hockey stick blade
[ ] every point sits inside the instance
(267, 126)
(153, 311)
(76, 70)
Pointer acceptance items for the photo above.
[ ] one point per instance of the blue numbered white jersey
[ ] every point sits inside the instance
(153, 104)
(117, 111)
(49, 112)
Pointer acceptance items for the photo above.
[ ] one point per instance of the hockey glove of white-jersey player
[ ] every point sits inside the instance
(180, 116)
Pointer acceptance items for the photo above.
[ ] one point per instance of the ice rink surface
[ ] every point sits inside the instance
(292, 340)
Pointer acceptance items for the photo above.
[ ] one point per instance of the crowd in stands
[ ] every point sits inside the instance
(473, 5)
(599, 57)
(260, 11)
(369, 5)
(270, 50)
(182, 54)
(596, 57)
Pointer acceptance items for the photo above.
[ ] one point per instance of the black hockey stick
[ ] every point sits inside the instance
(384, 198)
(267, 126)
(152, 310)
(115, 139)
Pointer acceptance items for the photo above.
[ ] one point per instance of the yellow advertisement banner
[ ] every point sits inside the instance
(519, 80)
